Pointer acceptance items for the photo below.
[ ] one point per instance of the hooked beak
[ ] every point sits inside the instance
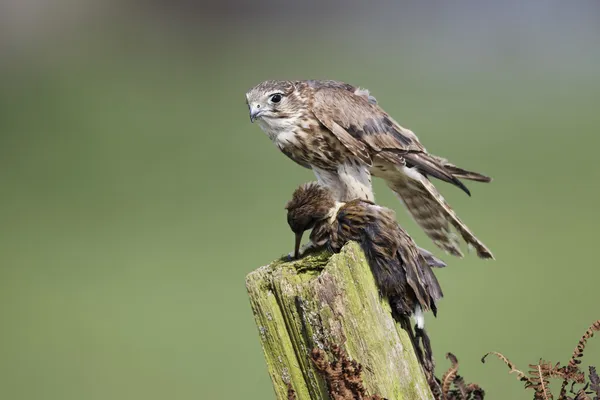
(297, 245)
(254, 114)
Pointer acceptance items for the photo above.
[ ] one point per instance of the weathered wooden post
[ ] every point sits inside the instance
(319, 302)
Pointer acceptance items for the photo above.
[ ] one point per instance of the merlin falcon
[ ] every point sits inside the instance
(342, 134)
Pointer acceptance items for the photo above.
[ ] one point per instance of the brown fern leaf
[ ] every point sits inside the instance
(291, 393)
(573, 367)
(595, 382)
(461, 387)
(557, 372)
(582, 394)
(460, 390)
(475, 392)
(564, 373)
(578, 352)
(539, 381)
(436, 388)
(569, 376)
(520, 374)
(342, 375)
(563, 390)
(449, 375)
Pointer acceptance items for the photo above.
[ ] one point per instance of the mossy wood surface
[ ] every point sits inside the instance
(319, 301)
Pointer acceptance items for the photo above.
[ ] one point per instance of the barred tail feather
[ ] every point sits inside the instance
(464, 174)
(440, 168)
(432, 213)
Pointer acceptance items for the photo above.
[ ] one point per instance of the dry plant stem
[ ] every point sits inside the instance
(342, 375)
(318, 302)
(461, 390)
(539, 375)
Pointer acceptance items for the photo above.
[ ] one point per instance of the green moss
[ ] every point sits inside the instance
(322, 300)
(313, 261)
(279, 352)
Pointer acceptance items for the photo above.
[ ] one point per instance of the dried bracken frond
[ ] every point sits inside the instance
(476, 392)
(549, 370)
(595, 382)
(539, 381)
(520, 374)
(563, 389)
(572, 369)
(436, 387)
(568, 375)
(291, 393)
(460, 390)
(449, 375)
(539, 375)
(342, 375)
(461, 386)
(582, 395)
(578, 353)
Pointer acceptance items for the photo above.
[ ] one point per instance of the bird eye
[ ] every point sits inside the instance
(275, 98)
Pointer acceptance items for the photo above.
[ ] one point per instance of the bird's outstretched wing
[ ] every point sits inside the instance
(362, 120)
(355, 146)
(362, 126)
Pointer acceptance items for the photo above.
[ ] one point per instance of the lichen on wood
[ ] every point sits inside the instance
(320, 301)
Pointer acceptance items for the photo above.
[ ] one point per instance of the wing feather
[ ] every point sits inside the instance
(354, 145)
(361, 125)
(372, 135)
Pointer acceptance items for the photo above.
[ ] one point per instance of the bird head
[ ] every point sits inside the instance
(272, 100)
(311, 203)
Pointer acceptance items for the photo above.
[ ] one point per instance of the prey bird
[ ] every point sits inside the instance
(342, 134)
(401, 269)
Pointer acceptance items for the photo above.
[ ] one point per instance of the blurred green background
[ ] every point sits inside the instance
(135, 195)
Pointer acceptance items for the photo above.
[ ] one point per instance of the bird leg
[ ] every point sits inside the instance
(424, 354)
(421, 334)
(405, 324)
(428, 362)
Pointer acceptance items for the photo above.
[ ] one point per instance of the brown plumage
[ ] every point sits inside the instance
(401, 269)
(342, 134)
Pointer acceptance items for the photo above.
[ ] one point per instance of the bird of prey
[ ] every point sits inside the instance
(342, 134)
(401, 269)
